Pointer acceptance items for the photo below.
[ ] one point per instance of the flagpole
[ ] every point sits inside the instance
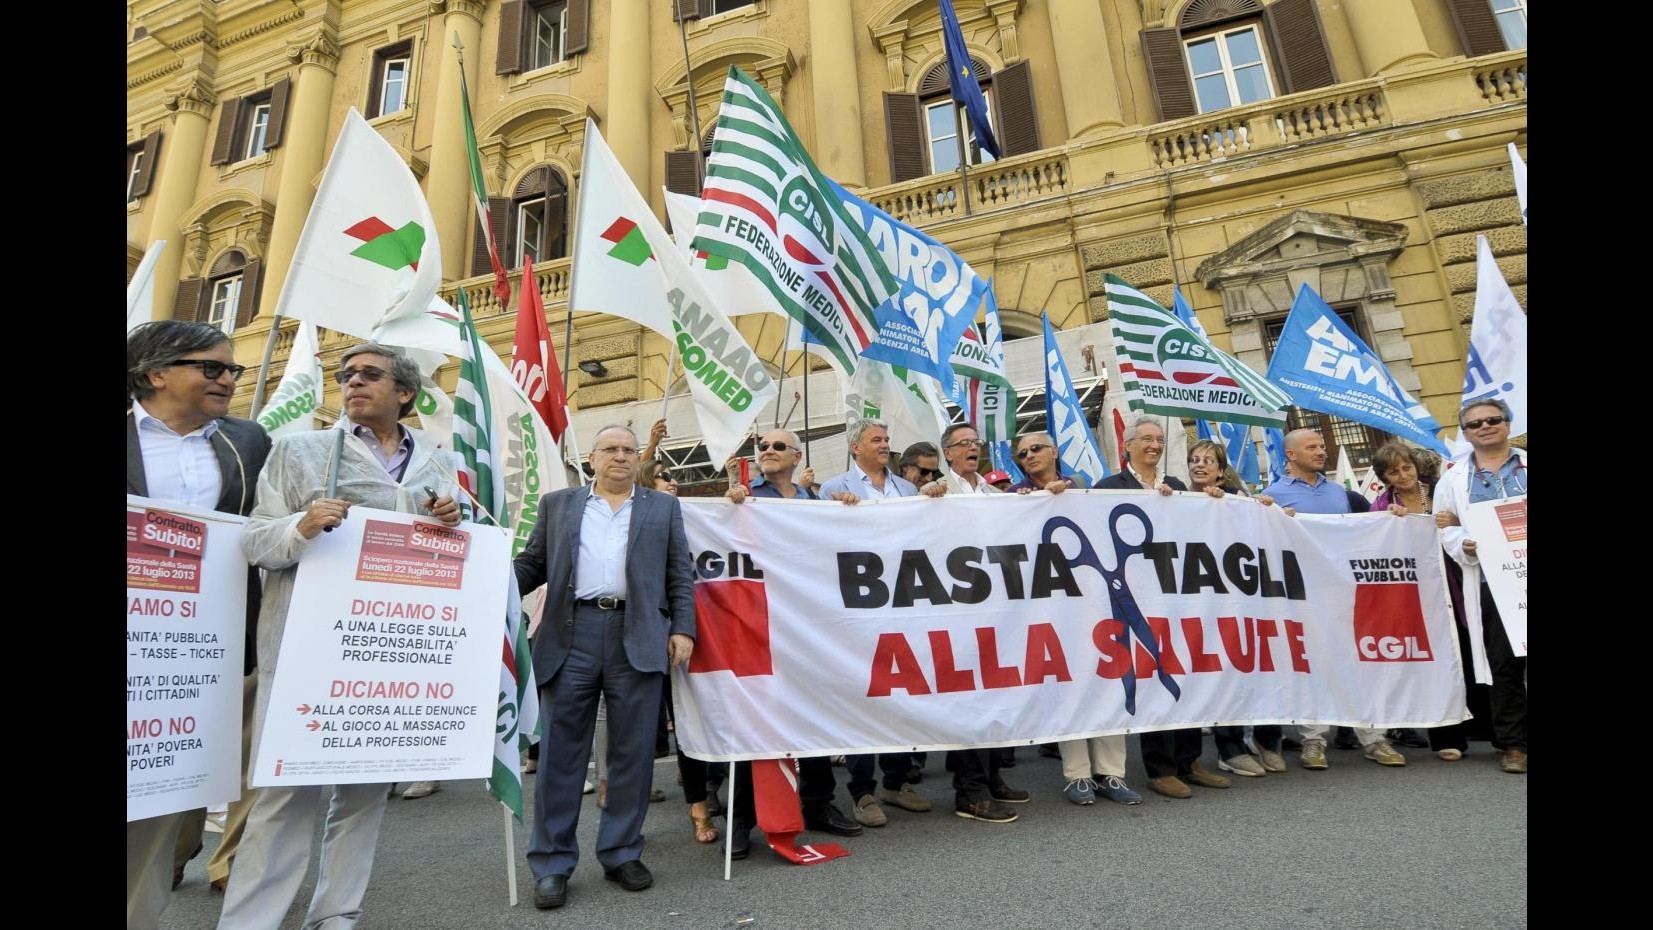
(780, 389)
(510, 854)
(694, 111)
(805, 430)
(964, 157)
(729, 834)
(666, 393)
(264, 366)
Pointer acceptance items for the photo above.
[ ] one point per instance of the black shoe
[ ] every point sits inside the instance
(1346, 739)
(829, 819)
(1290, 744)
(713, 808)
(915, 775)
(1049, 751)
(1006, 794)
(740, 845)
(632, 876)
(1408, 737)
(551, 891)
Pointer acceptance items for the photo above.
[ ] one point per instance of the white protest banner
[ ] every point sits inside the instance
(921, 624)
(389, 666)
(1499, 529)
(186, 614)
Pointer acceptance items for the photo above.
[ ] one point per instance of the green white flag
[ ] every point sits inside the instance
(292, 408)
(1165, 367)
(766, 205)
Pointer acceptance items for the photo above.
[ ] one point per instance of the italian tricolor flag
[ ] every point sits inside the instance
(479, 194)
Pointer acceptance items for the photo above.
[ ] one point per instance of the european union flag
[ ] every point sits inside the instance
(960, 74)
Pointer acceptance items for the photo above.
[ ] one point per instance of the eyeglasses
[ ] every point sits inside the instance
(212, 369)
(368, 373)
(1201, 461)
(928, 474)
(777, 446)
(1473, 424)
(622, 451)
(967, 444)
(664, 476)
(1149, 440)
(1036, 447)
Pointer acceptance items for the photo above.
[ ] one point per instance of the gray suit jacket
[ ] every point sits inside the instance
(659, 577)
(241, 446)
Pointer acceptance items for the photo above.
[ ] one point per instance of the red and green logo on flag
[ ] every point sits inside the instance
(630, 246)
(392, 248)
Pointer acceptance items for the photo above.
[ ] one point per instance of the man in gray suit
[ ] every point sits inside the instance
(619, 607)
(182, 447)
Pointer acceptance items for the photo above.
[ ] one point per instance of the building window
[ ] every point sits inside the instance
(547, 27)
(1512, 21)
(1361, 440)
(942, 119)
(1228, 68)
(724, 6)
(391, 73)
(537, 228)
(226, 300)
(134, 171)
(258, 124)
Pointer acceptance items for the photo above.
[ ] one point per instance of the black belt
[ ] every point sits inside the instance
(606, 602)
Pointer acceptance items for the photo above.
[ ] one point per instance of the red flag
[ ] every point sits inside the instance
(780, 816)
(534, 358)
(1119, 436)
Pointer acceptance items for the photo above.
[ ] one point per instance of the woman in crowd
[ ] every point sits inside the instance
(1209, 471)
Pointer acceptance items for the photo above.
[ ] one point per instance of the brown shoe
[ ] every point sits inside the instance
(1171, 786)
(1513, 761)
(1199, 775)
(221, 884)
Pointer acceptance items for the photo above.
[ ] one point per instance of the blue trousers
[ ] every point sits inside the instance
(568, 708)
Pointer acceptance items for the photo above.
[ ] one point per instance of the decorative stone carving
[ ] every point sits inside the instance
(191, 96)
(891, 41)
(1004, 13)
(320, 49)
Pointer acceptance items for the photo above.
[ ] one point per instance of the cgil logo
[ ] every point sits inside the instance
(1389, 625)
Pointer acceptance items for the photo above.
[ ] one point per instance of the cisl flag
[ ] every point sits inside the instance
(626, 265)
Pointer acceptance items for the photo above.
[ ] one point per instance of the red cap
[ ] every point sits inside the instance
(994, 477)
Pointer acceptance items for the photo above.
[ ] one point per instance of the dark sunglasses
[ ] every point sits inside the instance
(1036, 447)
(664, 476)
(777, 446)
(1484, 421)
(368, 373)
(929, 474)
(213, 370)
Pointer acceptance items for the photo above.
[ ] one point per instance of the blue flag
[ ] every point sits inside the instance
(919, 326)
(1075, 442)
(1242, 452)
(1202, 429)
(1322, 365)
(1274, 442)
(1185, 313)
(961, 75)
(1004, 456)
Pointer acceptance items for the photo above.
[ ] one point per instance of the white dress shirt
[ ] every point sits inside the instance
(179, 469)
(604, 532)
(957, 485)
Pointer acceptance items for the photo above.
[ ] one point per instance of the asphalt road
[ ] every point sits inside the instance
(1435, 844)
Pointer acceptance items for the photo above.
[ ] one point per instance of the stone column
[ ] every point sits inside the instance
(1085, 67)
(303, 154)
(448, 184)
(838, 143)
(630, 103)
(1388, 35)
(181, 149)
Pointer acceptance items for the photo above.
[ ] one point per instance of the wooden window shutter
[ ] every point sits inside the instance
(1018, 117)
(690, 9)
(1300, 53)
(498, 209)
(578, 37)
(228, 116)
(278, 112)
(1477, 27)
(683, 172)
(904, 134)
(187, 305)
(252, 281)
(146, 171)
(508, 60)
(1168, 71)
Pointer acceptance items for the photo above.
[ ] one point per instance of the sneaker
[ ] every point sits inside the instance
(421, 789)
(1512, 761)
(840, 761)
(907, 799)
(1080, 791)
(1205, 778)
(1384, 754)
(1272, 761)
(589, 787)
(1408, 737)
(868, 813)
(1114, 789)
(215, 822)
(656, 795)
(1449, 754)
(1243, 765)
(1006, 794)
(1171, 786)
(1314, 755)
(989, 810)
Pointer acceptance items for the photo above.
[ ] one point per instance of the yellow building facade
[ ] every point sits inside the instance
(1234, 148)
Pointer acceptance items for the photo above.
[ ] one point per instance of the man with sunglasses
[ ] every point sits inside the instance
(1496, 470)
(382, 465)
(920, 464)
(183, 447)
(1041, 466)
(778, 455)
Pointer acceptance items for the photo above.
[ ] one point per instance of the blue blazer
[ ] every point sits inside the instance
(659, 577)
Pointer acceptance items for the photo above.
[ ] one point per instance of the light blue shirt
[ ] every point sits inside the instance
(394, 464)
(1324, 496)
(1509, 480)
(858, 483)
(179, 469)
(604, 533)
